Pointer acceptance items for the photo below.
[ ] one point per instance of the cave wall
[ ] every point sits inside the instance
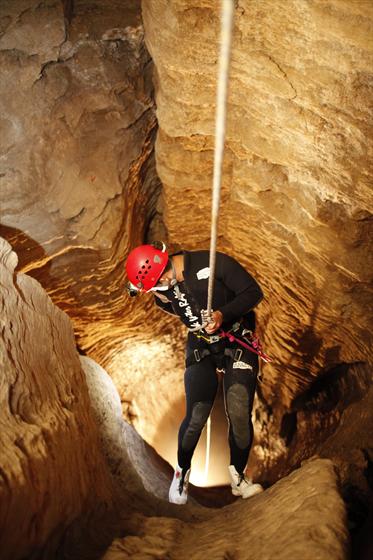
(301, 516)
(78, 181)
(80, 186)
(61, 415)
(296, 193)
(56, 492)
(73, 473)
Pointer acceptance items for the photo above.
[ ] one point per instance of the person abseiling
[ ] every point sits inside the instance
(180, 284)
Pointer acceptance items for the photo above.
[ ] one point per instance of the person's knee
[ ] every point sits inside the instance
(199, 416)
(239, 414)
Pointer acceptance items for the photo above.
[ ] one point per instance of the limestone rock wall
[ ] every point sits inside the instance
(56, 494)
(78, 184)
(125, 452)
(72, 471)
(296, 195)
(79, 188)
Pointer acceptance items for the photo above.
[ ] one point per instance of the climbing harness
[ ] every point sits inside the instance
(199, 354)
(251, 342)
(210, 339)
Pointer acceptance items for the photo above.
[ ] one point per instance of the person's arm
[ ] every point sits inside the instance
(163, 303)
(246, 290)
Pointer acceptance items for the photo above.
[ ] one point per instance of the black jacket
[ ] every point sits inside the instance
(235, 293)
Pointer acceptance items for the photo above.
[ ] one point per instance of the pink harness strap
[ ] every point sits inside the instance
(255, 347)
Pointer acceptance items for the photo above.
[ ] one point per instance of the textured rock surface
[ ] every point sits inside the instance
(79, 189)
(78, 184)
(125, 451)
(55, 488)
(66, 452)
(296, 194)
(141, 478)
(297, 181)
(78, 181)
(302, 516)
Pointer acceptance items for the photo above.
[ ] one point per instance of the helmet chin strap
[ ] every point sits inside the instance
(159, 289)
(173, 282)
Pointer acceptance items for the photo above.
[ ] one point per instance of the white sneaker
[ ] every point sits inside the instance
(242, 486)
(178, 493)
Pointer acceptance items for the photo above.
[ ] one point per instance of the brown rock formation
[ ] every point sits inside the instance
(55, 488)
(49, 464)
(296, 188)
(78, 179)
(78, 182)
(72, 471)
(302, 516)
(79, 188)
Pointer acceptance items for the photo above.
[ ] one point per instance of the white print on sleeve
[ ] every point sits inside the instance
(183, 302)
(203, 273)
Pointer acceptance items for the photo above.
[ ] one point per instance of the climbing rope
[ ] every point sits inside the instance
(208, 447)
(227, 10)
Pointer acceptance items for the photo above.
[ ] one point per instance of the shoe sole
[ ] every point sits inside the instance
(181, 503)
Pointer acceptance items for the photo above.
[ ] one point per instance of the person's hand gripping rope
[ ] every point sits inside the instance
(214, 322)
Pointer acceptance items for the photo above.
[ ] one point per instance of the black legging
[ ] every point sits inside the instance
(201, 384)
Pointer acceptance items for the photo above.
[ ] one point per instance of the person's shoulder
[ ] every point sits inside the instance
(225, 257)
(198, 255)
(195, 260)
(221, 254)
(202, 256)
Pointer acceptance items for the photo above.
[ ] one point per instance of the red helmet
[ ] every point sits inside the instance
(145, 265)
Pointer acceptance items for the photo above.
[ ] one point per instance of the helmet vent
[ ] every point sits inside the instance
(145, 264)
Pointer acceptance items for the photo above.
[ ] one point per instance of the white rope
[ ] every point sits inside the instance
(208, 446)
(227, 10)
(220, 121)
